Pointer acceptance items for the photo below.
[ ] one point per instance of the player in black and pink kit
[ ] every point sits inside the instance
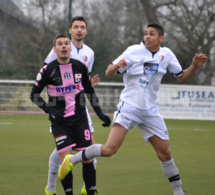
(82, 52)
(67, 82)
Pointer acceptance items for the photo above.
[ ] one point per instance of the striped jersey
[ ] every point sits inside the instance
(66, 86)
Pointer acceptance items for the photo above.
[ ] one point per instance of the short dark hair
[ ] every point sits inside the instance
(79, 18)
(59, 36)
(158, 27)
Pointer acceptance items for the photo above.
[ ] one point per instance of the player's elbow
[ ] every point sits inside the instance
(181, 80)
(32, 96)
(108, 74)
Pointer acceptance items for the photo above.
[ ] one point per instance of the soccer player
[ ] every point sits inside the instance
(67, 81)
(79, 51)
(145, 64)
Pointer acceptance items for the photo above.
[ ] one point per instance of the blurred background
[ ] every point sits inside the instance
(28, 27)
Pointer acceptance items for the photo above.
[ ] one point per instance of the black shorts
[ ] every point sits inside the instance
(74, 134)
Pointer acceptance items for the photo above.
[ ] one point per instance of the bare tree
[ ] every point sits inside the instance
(112, 27)
(189, 28)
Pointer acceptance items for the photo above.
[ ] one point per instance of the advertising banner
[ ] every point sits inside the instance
(187, 102)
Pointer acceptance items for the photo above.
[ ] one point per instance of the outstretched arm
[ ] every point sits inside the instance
(197, 62)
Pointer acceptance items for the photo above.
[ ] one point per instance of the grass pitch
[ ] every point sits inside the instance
(25, 146)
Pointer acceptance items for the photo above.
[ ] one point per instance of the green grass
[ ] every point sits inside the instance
(25, 146)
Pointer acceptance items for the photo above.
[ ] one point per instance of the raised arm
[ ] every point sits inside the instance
(197, 62)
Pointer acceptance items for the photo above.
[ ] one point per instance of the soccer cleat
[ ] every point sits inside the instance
(65, 167)
(51, 193)
(83, 191)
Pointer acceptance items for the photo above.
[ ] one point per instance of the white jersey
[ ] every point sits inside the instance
(144, 74)
(85, 54)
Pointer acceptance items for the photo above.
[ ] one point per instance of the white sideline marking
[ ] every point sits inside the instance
(183, 129)
(6, 123)
(201, 130)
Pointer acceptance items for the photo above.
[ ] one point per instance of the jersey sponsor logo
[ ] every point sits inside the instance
(67, 75)
(66, 90)
(150, 68)
(78, 78)
(143, 82)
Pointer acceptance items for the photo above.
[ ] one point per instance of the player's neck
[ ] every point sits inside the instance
(63, 61)
(78, 44)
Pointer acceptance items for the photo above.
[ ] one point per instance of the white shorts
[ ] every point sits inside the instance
(149, 122)
(89, 121)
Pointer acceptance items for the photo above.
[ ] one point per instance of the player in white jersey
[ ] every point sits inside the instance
(79, 51)
(145, 65)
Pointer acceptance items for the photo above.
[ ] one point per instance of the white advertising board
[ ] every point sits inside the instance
(187, 102)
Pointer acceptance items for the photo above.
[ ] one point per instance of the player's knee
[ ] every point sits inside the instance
(108, 151)
(164, 155)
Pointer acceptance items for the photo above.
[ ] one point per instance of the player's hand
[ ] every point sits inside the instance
(122, 63)
(95, 80)
(105, 119)
(199, 60)
(56, 114)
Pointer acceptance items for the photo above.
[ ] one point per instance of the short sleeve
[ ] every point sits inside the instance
(51, 57)
(174, 66)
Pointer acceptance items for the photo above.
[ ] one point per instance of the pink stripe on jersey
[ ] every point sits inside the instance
(43, 68)
(68, 80)
(36, 83)
(68, 89)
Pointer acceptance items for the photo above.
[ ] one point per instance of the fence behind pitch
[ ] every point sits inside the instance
(14, 96)
(174, 101)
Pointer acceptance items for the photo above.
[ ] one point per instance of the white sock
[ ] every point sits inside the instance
(90, 152)
(94, 163)
(178, 191)
(172, 173)
(54, 163)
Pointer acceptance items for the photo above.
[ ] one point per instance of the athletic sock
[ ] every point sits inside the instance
(172, 173)
(67, 184)
(89, 176)
(94, 162)
(54, 163)
(90, 152)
